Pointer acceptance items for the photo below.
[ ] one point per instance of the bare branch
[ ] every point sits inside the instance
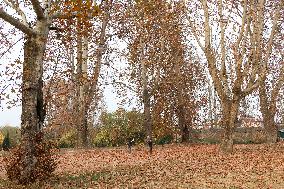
(243, 24)
(251, 88)
(210, 55)
(38, 9)
(223, 74)
(206, 25)
(10, 47)
(18, 10)
(16, 23)
(61, 15)
(272, 34)
(195, 33)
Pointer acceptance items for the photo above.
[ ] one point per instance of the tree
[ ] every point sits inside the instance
(6, 145)
(268, 103)
(237, 60)
(87, 87)
(32, 97)
(180, 76)
(88, 34)
(36, 37)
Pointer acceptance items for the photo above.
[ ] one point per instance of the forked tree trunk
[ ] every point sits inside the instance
(33, 113)
(87, 88)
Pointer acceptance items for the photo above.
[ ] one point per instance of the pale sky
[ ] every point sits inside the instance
(13, 116)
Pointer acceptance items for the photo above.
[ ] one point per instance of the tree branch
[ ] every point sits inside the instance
(206, 25)
(10, 47)
(38, 9)
(223, 71)
(244, 17)
(16, 23)
(272, 34)
(193, 30)
(18, 10)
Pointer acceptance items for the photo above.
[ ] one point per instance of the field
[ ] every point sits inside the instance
(170, 166)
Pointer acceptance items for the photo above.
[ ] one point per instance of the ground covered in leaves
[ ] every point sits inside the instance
(170, 166)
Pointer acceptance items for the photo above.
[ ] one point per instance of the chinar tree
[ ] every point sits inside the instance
(36, 35)
(236, 38)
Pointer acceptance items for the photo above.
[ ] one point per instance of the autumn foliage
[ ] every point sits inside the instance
(190, 65)
(45, 162)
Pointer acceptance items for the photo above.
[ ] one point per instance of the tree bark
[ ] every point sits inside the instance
(268, 111)
(147, 104)
(181, 116)
(230, 111)
(270, 128)
(82, 89)
(148, 119)
(33, 111)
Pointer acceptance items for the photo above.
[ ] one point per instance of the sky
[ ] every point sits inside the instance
(13, 116)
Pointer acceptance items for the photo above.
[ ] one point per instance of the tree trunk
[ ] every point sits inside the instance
(88, 87)
(270, 129)
(148, 119)
(182, 123)
(230, 112)
(82, 89)
(147, 105)
(33, 111)
(268, 112)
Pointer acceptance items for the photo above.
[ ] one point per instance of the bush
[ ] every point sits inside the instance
(1, 138)
(117, 128)
(14, 134)
(6, 145)
(67, 140)
(166, 139)
(102, 139)
(45, 161)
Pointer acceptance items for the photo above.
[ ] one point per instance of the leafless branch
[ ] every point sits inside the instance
(18, 10)
(16, 23)
(38, 9)
(2, 54)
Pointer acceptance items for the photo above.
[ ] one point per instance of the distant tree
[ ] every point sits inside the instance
(14, 134)
(6, 145)
(1, 138)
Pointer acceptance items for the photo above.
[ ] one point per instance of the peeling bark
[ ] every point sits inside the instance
(230, 110)
(148, 124)
(268, 110)
(33, 112)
